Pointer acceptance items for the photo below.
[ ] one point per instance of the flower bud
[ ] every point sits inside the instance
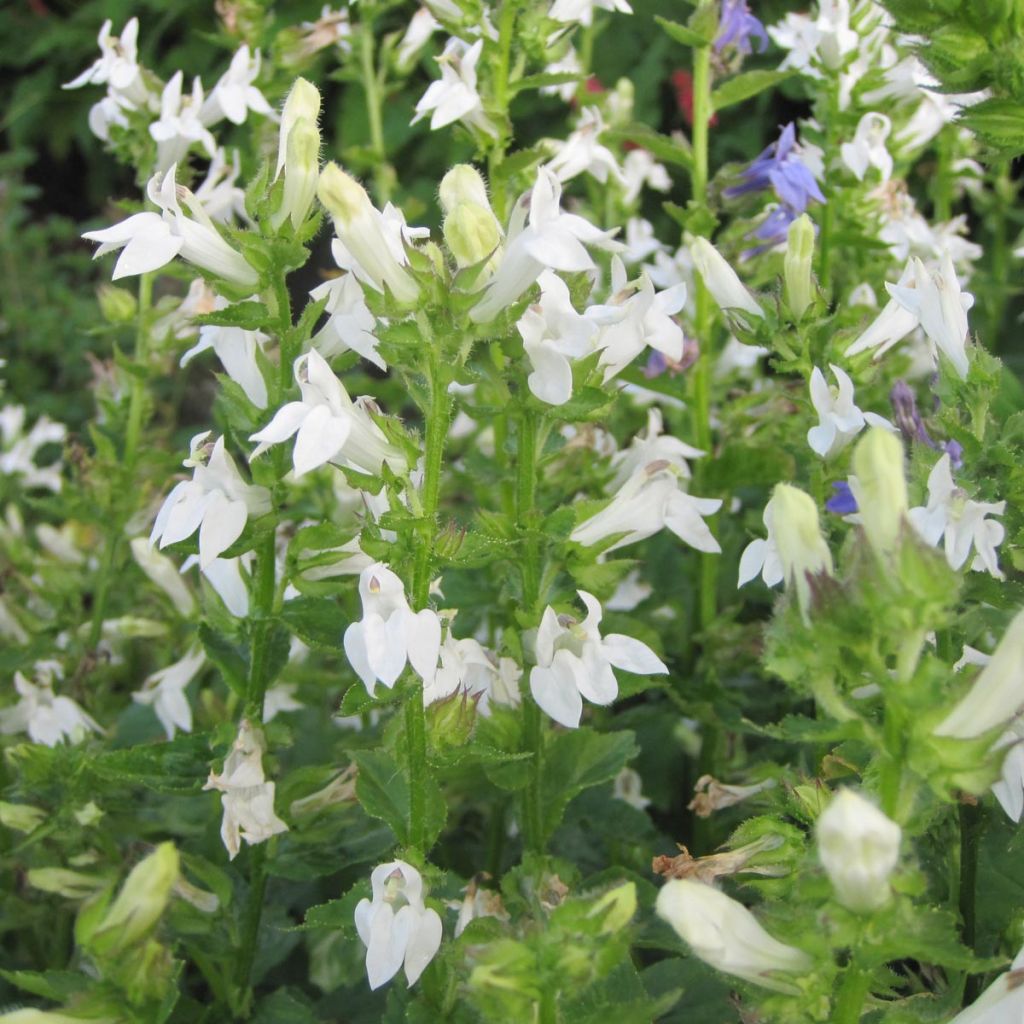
(463, 184)
(727, 936)
(21, 817)
(880, 487)
(359, 227)
(797, 534)
(302, 104)
(74, 885)
(721, 280)
(164, 573)
(858, 847)
(117, 305)
(797, 265)
(301, 171)
(618, 907)
(472, 233)
(139, 904)
(996, 695)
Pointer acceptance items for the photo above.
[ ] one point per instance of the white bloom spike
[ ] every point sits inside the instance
(165, 692)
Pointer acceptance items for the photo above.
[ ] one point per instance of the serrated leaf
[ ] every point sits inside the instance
(56, 985)
(574, 761)
(743, 87)
(232, 663)
(250, 316)
(998, 123)
(383, 791)
(316, 621)
(544, 80)
(180, 765)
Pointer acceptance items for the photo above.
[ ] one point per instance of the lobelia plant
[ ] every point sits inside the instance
(462, 361)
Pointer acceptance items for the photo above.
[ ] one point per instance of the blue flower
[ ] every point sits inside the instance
(779, 167)
(736, 26)
(842, 502)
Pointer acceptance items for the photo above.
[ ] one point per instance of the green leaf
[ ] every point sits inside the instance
(998, 123)
(180, 765)
(56, 985)
(669, 151)
(574, 761)
(232, 663)
(743, 87)
(683, 34)
(544, 80)
(250, 316)
(383, 791)
(316, 621)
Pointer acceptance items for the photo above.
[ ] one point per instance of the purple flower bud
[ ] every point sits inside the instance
(736, 27)
(955, 451)
(842, 502)
(908, 419)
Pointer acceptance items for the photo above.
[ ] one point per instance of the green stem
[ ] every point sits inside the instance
(891, 775)
(1005, 195)
(132, 434)
(283, 302)
(827, 214)
(382, 172)
(502, 70)
(942, 193)
(970, 833)
(250, 930)
(436, 419)
(853, 991)
(547, 1008)
(704, 314)
(264, 585)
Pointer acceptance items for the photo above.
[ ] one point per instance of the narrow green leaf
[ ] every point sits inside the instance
(743, 87)
(683, 34)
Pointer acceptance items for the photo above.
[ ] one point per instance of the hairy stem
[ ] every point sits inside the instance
(382, 172)
(853, 991)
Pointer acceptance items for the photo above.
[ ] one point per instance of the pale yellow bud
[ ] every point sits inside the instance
(802, 549)
(880, 487)
(463, 184)
(21, 817)
(302, 104)
(301, 171)
(472, 233)
(117, 305)
(797, 265)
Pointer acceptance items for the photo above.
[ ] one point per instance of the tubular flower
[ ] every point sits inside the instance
(724, 934)
(150, 241)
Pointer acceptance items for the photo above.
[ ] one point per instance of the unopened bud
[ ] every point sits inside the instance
(21, 817)
(721, 280)
(302, 104)
(74, 885)
(118, 305)
(618, 908)
(858, 847)
(801, 546)
(724, 934)
(463, 184)
(880, 487)
(472, 233)
(138, 906)
(301, 171)
(996, 695)
(797, 265)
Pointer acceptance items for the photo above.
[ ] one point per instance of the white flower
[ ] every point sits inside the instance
(46, 718)
(218, 194)
(1009, 790)
(465, 665)
(840, 419)
(421, 27)
(824, 42)
(151, 240)
(628, 787)
(246, 797)
(350, 324)
(639, 168)
(629, 593)
(396, 927)
(859, 848)
(327, 424)
(18, 450)
(582, 11)
(650, 500)
(370, 243)
(960, 523)
(996, 695)
(216, 501)
(1001, 1003)
(550, 238)
(721, 280)
(454, 97)
(178, 126)
(931, 300)
(793, 549)
(117, 66)
(234, 95)
(582, 151)
(724, 934)
(279, 698)
(574, 661)
(568, 65)
(478, 902)
(868, 147)
(236, 349)
(641, 243)
(164, 573)
(165, 691)
(390, 633)
(225, 576)
(637, 318)
(554, 334)
(652, 446)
